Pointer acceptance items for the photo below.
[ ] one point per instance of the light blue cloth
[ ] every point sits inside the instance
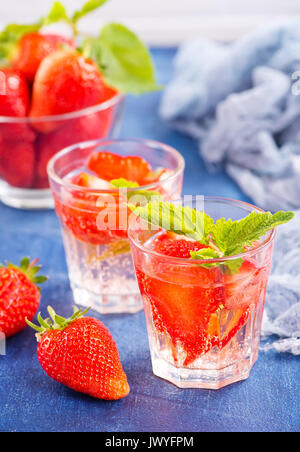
(282, 312)
(238, 101)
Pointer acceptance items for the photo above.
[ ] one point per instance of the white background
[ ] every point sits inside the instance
(167, 22)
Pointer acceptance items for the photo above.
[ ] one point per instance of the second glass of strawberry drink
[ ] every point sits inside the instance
(203, 308)
(91, 184)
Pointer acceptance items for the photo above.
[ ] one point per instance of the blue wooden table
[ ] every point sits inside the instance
(29, 401)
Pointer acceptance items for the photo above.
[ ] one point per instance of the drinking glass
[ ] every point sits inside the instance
(95, 222)
(203, 322)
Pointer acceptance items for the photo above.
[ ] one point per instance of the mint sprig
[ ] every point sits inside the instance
(225, 237)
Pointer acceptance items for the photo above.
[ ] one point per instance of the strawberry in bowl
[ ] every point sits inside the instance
(92, 184)
(56, 91)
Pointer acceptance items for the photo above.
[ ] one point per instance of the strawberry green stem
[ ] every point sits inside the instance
(55, 322)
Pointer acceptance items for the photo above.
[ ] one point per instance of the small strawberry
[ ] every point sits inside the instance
(80, 353)
(33, 48)
(19, 295)
(17, 161)
(14, 102)
(14, 93)
(65, 82)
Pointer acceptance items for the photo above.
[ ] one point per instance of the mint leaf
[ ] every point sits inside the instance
(178, 219)
(205, 253)
(232, 236)
(226, 237)
(124, 183)
(123, 59)
(87, 8)
(231, 266)
(136, 197)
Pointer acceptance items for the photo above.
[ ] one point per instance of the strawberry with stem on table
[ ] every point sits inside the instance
(80, 353)
(19, 295)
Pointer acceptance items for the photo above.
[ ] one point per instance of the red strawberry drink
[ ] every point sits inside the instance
(92, 184)
(203, 312)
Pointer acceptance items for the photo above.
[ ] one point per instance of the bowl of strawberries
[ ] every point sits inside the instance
(58, 90)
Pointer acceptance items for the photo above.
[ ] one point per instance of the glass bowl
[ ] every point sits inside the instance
(27, 144)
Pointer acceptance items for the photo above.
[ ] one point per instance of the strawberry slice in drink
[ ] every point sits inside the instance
(182, 302)
(80, 212)
(201, 308)
(241, 291)
(111, 166)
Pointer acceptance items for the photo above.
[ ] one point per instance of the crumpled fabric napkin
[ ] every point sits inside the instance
(282, 311)
(240, 102)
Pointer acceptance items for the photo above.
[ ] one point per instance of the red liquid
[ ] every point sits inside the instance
(196, 310)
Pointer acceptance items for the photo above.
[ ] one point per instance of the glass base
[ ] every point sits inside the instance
(21, 198)
(108, 304)
(202, 378)
(102, 276)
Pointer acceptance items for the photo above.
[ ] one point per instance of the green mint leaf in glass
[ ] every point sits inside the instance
(123, 59)
(205, 253)
(230, 266)
(87, 8)
(231, 237)
(124, 183)
(225, 237)
(178, 219)
(136, 197)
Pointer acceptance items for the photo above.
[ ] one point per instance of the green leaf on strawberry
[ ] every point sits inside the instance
(57, 13)
(87, 8)
(123, 59)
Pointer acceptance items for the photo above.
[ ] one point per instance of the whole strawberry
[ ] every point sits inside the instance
(33, 48)
(19, 295)
(80, 353)
(65, 82)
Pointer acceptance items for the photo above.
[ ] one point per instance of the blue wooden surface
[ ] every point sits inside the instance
(29, 401)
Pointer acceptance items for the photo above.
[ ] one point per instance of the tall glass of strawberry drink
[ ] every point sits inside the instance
(92, 183)
(203, 312)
